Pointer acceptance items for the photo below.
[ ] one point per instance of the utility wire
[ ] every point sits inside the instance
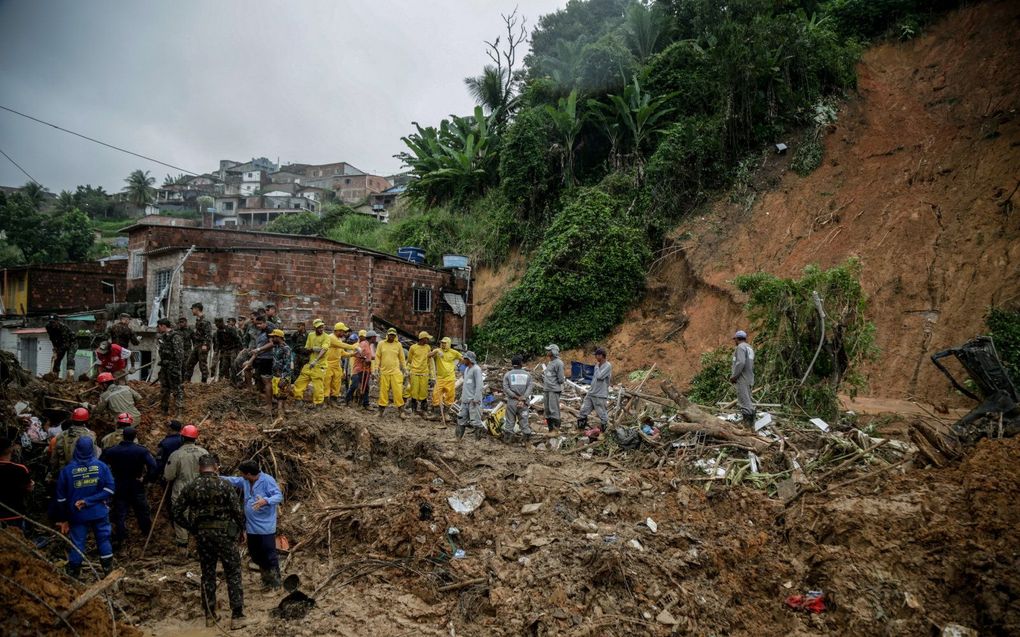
(92, 139)
(11, 159)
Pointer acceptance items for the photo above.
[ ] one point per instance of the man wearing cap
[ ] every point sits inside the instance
(314, 371)
(391, 366)
(132, 466)
(742, 375)
(418, 363)
(363, 358)
(112, 439)
(168, 445)
(273, 373)
(181, 470)
(227, 341)
(65, 344)
(112, 358)
(552, 386)
(121, 334)
(598, 393)
(171, 361)
(118, 398)
(338, 349)
(517, 384)
(209, 508)
(445, 359)
(471, 397)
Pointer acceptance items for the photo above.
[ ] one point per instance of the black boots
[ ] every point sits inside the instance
(582, 423)
(107, 564)
(553, 423)
(270, 579)
(74, 570)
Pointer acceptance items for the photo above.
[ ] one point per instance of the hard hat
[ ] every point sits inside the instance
(80, 414)
(392, 331)
(277, 332)
(424, 335)
(105, 377)
(362, 333)
(189, 431)
(125, 418)
(740, 334)
(317, 323)
(340, 327)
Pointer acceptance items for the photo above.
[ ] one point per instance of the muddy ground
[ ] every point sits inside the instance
(903, 552)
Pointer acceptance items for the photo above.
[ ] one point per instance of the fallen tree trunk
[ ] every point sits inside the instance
(719, 430)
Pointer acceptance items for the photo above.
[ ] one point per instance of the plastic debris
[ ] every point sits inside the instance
(466, 500)
(459, 554)
(652, 526)
(528, 509)
(763, 421)
(821, 424)
(956, 630)
(634, 544)
(812, 602)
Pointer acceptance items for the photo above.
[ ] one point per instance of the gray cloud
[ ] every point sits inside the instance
(191, 82)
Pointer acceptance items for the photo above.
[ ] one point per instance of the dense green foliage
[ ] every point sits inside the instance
(32, 236)
(712, 382)
(1004, 328)
(306, 223)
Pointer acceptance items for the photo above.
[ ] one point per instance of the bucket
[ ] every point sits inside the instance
(455, 261)
(412, 254)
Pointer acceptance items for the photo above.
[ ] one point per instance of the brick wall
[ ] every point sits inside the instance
(68, 287)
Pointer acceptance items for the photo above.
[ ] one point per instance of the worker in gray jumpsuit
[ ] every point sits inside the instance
(517, 385)
(471, 397)
(598, 393)
(742, 375)
(552, 387)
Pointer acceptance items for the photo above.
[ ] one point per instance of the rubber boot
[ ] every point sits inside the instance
(459, 431)
(107, 564)
(478, 432)
(74, 570)
(550, 423)
(382, 411)
(238, 620)
(274, 578)
(582, 423)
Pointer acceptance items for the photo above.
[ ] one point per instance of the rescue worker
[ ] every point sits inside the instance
(598, 393)
(552, 386)
(15, 486)
(201, 341)
(112, 358)
(185, 332)
(64, 444)
(169, 444)
(363, 358)
(209, 508)
(227, 343)
(418, 363)
(338, 349)
(181, 469)
(314, 371)
(273, 317)
(118, 398)
(121, 334)
(65, 344)
(112, 439)
(263, 363)
(275, 382)
(261, 497)
(132, 467)
(517, 385)
(390, 365)
(84, 487)
(296, 341)
(742, 375)
(445, 358)
(471, 397)
(171, 360)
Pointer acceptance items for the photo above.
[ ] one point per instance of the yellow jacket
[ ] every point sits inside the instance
(389, 358)
(314, 342)
(446, 363)
(418, 359)
(338, 348)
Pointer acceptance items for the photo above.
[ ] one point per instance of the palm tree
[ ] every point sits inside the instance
(644, 29)
(489, 89)
(139, 188)
(65, 202)
(35, 193)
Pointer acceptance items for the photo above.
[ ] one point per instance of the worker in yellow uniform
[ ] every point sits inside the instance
(338, 349)
(445, 359)
(391, 365)
(419, 363)
(314, 370)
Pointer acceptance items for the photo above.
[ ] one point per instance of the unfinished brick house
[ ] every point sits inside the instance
(234, 271)
(34, 290)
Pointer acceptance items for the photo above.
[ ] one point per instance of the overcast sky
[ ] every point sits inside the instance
(191, 82)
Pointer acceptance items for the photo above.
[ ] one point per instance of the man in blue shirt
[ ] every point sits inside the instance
(171, 443)
(84, 486)
(132, 466)
(261, 497)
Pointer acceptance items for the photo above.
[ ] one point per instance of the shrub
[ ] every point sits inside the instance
(306, 223)
(527, 171)
(582, 278)
(688, 161)
(712, 382)
(605, 66)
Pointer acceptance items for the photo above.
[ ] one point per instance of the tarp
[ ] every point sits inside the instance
(456, 302)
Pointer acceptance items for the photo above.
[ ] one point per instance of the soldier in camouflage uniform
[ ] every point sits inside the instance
(210, 509)
(201, 341)
(171, 357)
(122, 334)
(296, 341)
(65, 344)
(227, 341)
(185, 332)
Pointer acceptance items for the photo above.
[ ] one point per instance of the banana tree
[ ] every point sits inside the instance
(568, 124)
(636, 115)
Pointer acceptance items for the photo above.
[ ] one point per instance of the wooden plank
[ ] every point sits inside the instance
(92, 591)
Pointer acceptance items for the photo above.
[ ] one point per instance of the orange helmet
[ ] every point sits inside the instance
(80, 415)
(125, 418)
(105, 377)
(189, 431)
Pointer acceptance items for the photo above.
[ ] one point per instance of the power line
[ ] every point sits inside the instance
(11, 159)
(94, 140)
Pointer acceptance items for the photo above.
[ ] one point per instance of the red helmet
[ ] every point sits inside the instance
(105, 377)
(125, 419)
(80, 415)
(189, 431)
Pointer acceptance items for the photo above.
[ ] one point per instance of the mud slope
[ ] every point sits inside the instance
(919, 181)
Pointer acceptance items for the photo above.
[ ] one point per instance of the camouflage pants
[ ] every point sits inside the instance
(170, 383)
(218, 545)
(185, 357)
(227, 357)
(200, 358)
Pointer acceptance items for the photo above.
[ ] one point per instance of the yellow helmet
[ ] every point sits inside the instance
(392, 331)
(277, 333)
(341, 327)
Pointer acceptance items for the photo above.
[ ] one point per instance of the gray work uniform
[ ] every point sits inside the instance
(471, 398)
(552, 384)
(598, 394)
(743, 371)
(517, 385)
(182, 470)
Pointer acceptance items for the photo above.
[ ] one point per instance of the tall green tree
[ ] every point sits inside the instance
(139, 188)
(35, 194)
(489, 89)
(645, 30)
(568, 122)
